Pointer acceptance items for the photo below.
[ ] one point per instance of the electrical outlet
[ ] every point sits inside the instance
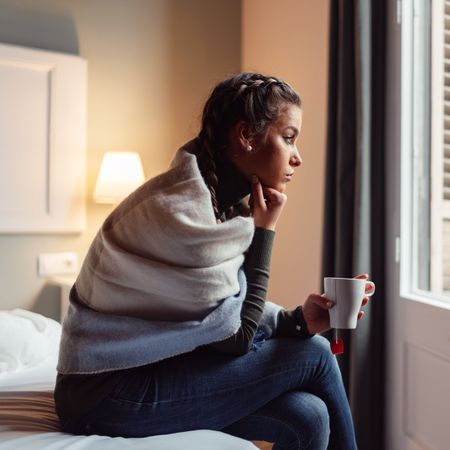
(63, 263)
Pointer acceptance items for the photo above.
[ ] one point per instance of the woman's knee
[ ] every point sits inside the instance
(312, 348)
(320, 344)
(307, 420)
(320, 347)
(316, 421)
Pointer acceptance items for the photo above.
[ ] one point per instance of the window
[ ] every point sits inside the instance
(425, 261)
(440, 147)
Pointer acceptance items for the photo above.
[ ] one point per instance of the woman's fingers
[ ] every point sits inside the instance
(261, 195)
(322, 301)
(273, 196)
(267, 204)
(362, 276)
(257, 193)
(364, 302)
(326, 303)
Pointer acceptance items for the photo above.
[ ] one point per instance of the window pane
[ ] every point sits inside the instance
(429, 218)
(421, 147)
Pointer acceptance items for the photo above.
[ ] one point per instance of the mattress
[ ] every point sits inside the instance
(28, 421)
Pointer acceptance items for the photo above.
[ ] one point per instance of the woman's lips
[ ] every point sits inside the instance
(289, 176)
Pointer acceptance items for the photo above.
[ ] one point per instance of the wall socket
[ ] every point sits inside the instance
(63, 263)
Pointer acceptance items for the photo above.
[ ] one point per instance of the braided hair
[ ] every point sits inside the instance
(251, 97)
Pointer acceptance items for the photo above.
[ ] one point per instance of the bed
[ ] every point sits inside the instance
(28, 356)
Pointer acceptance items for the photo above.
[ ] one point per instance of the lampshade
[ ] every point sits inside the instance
(120, 174)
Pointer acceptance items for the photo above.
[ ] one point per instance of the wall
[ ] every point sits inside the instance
(151, 63)
(289, 39)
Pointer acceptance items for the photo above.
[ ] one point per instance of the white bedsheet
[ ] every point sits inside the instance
(28, 421)
(189, 440)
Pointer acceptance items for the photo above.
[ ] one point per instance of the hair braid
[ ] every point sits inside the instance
(207, 162)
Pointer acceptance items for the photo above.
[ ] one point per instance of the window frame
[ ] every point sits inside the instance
(411, 18)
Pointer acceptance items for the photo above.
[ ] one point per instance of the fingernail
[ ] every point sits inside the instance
(254, 178)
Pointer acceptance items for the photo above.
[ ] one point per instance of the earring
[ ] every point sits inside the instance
(249, 148)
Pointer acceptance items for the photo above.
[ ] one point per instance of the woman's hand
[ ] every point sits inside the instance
(315, 313)
(315, 310)
(266, 204)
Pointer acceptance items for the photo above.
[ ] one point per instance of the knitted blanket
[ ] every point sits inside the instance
(161, 278)
(161, 255)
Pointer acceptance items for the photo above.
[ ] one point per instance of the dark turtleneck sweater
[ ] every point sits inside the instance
(75, 395)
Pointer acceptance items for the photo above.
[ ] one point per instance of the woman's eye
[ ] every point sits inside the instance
(289, 139)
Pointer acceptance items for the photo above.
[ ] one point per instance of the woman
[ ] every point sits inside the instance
(169, 328)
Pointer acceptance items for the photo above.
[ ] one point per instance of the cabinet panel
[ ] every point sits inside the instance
(42, 141)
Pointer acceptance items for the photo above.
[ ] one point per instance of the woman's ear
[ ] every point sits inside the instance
(242, 135)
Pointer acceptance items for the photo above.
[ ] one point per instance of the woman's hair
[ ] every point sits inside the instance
(251, 97)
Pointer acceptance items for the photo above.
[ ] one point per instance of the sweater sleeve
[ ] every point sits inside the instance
(256, 313)
(256, 268)
(277, 321)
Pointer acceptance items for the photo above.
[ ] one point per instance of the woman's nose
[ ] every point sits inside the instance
(296, 159)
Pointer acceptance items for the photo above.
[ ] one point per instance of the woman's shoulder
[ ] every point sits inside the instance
(187, 152)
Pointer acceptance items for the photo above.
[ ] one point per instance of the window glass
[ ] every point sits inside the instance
(428, 136)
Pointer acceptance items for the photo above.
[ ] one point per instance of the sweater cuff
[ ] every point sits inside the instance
(291, 323)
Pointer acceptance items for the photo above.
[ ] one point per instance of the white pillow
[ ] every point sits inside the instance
(26, 338)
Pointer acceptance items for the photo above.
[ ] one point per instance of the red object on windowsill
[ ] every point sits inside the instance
(337, 346)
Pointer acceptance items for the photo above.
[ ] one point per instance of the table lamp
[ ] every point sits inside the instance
(120, 174)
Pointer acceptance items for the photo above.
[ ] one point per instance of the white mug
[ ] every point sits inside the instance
(347, 293)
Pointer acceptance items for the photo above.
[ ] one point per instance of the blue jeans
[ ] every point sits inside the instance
(288, 392)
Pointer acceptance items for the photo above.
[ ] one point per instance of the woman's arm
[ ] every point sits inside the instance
(266, 206)
(257, 267)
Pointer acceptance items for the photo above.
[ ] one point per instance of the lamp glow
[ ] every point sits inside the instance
(120, 174)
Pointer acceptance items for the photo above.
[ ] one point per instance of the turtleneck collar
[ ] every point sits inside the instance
(232, 184)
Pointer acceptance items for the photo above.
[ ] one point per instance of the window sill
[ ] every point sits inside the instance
(442, 302)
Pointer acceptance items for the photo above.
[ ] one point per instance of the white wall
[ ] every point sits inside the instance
(289, 39)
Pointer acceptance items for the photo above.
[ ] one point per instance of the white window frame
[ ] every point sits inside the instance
(410, 21)
(436, 143)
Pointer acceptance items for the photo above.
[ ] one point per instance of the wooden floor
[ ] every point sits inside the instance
(263, 445)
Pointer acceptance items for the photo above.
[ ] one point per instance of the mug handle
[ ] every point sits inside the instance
(372, 290)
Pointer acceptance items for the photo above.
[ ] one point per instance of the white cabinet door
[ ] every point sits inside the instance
(42, 141)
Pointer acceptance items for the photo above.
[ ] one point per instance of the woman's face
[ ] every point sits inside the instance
(275, 155)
